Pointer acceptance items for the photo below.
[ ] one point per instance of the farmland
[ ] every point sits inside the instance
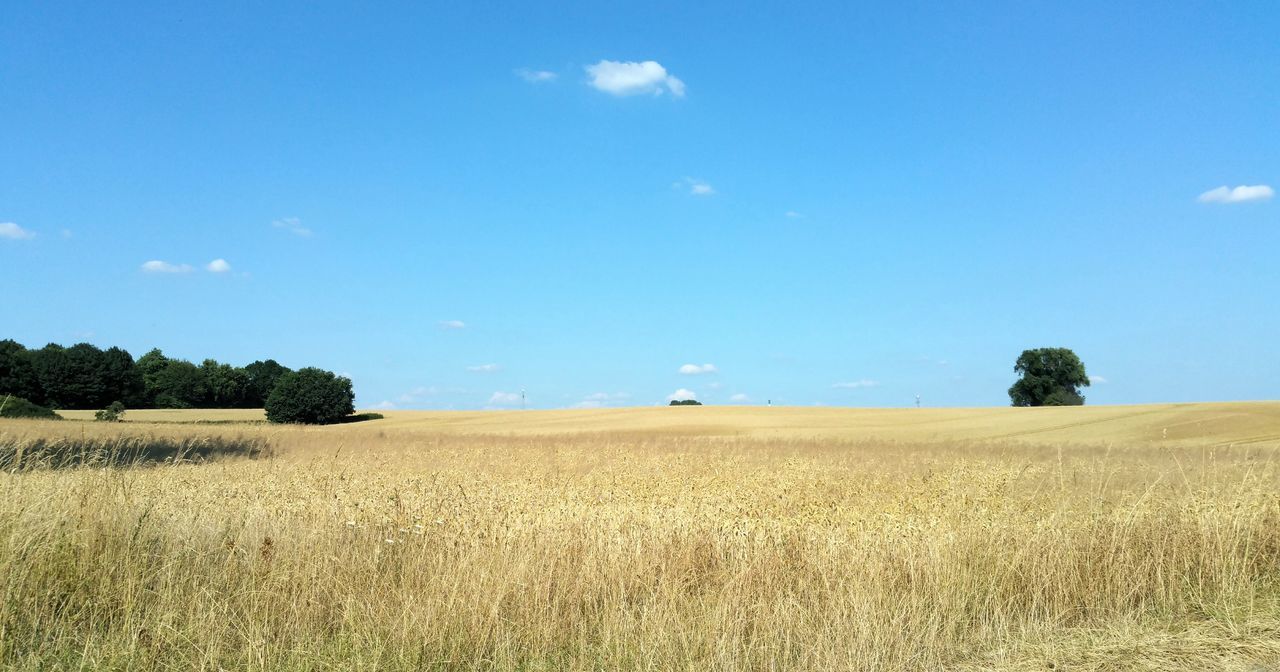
(1106, 537)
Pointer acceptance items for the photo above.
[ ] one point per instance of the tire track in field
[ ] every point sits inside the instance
(1082, 423)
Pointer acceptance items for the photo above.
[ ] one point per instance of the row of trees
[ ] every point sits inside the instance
(84, 376)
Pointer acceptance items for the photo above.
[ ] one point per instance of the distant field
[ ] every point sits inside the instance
(692, 538)
(1222, 423)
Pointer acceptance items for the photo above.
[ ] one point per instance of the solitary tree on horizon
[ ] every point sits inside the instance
(1049, 377)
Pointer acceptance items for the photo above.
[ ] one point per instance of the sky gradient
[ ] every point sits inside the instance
(826, 204)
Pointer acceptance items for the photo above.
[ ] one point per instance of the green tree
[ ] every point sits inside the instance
(150, 365)
(17, 375)
(1048, 377)
(310, 396)
(112, 413)
(121, 377)
(225, 386)
(72, 377)
(180, 384)
(262, 378)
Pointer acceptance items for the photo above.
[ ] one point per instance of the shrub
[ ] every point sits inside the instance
(112, 413)
(17, 407)
(685, 402)
(310, 396)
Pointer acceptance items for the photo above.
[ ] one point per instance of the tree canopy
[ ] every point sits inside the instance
(1048, 377)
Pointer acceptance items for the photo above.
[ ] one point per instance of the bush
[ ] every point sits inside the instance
(685, 402)
(112, 413)
(310, 396)
(17, 407)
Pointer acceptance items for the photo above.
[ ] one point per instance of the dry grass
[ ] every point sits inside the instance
(401, 545)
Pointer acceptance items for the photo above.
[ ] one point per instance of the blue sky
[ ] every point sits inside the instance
(829, 204)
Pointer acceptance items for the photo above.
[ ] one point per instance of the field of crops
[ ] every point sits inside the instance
(1141, 537)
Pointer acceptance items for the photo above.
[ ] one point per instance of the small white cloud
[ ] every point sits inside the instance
(418, 394)
(504, 399)
(219, 266)
(484, 368)
(698, 369)
(682, 395)
(792, 214)
(453, 324)
(292, 225)
(1098, 380)
(856, 384)
(695, 187)
(536, 76)
(740, 398)
(157, 266)
(384, 405)
(1240, 194)
(66, 234)
(14, 232)
(630, 78)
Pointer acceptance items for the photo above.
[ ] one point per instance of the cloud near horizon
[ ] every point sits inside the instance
(536, 76)
(292, 225)
(1240, 194)
(698, 369)
(504, 398)
(157, 266)
(218, 266)
(484, 368)
(856, 384)
(682, 395)
(12, 231)
(453, 324)
(629, 78)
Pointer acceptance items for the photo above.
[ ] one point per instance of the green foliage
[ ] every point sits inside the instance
(1049, 377)
(685, 402)
(310, 396)
(112, 413)
(17, 374)
(262, 379)
(180, 384)
(225, 386)
(17, 407)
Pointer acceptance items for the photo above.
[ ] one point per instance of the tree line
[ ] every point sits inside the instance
(84, 376)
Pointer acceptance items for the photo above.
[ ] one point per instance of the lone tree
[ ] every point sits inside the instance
(310, 396)
(1050, 377)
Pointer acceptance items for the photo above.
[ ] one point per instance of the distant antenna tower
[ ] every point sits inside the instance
(522, 398)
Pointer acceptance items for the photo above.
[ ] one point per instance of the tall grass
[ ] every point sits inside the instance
(418, 551)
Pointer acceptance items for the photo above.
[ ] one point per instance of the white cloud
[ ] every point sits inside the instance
(601, 399)
(698, 369)
(218, 266)
(856, 384)
(418, 394)
(536, 76)
(157, 266)
(695, 187)
(740, 398)
(630, 78)
(292, 225)
(1240, 194)
(453, 324)
(14, 232)
(384, 405)
(792, 214)
(682, 395)
(484, 368)
(66, 234)
(504, 399)
(1098, 380)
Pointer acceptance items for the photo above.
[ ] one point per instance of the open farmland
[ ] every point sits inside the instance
(1126, 537)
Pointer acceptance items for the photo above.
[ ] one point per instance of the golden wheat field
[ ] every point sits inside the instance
(1095, 538)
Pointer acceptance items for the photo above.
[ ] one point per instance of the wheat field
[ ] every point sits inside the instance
(1096, 538)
